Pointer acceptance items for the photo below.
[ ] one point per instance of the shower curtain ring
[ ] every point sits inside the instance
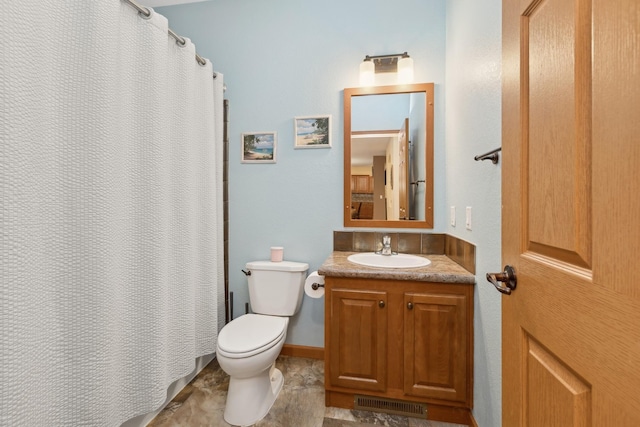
(180, 41)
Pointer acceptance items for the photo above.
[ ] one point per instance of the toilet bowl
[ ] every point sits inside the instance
(248, 346)
(247, 350)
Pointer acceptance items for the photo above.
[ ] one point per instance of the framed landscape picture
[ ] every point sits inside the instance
(312, 132)
(259, 147)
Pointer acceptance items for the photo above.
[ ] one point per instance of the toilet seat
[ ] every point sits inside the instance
(251, 334)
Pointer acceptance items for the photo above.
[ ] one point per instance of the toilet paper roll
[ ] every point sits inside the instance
(308, 285)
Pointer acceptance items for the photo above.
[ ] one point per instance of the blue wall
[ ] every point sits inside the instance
(474, 127)
(291, 58)
(379, 112)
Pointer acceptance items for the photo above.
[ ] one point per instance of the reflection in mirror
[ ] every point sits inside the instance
(388, 164)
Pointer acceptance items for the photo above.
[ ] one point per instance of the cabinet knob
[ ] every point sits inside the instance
(410, 305)
(381, 304)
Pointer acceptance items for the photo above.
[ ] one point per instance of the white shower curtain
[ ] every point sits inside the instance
(111, 212)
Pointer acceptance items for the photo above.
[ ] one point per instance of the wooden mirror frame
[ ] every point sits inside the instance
(427, 89)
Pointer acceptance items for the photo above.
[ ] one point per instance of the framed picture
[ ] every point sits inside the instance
(259, 147)
(312, 132)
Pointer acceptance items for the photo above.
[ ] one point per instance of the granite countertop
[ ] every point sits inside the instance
(441, 270)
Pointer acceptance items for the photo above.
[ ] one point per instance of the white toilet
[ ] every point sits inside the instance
(249, 345)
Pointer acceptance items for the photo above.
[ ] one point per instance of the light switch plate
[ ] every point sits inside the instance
(453, 216)
(468, 220)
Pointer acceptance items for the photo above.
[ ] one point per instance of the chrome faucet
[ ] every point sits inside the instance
(386, 245)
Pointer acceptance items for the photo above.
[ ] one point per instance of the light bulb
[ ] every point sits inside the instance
(405, 70)
(367, 76)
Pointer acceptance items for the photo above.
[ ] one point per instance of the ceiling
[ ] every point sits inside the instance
(365, 147)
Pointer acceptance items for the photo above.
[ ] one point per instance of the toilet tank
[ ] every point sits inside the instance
(276, 288)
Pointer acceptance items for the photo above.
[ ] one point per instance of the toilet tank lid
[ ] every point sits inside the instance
(277, 266)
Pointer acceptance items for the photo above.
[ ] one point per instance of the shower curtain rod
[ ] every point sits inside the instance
(180, 40)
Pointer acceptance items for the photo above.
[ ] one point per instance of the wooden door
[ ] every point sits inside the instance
(571, 204)
(358, 339)
(435, 345)
(403, 170)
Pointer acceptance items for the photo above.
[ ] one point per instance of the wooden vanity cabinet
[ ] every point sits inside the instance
(404, 340)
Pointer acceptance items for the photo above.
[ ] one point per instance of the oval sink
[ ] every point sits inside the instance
(372, 259)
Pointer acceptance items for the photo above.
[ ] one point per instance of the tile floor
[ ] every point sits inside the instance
(300, 403)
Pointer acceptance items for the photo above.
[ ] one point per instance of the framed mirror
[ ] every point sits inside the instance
(388, 156)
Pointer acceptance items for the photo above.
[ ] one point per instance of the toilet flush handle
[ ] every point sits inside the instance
(247, 273)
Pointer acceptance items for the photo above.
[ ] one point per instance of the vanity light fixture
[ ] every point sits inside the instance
(400, 63)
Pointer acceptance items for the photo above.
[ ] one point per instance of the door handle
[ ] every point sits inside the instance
(507, 278)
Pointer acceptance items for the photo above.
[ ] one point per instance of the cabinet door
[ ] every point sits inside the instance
(362, 184)
(358, 334)
(368, 184)
(435, 358)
